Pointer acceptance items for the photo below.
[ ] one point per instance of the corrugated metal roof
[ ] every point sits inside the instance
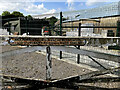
(103, 11)
(106, 10)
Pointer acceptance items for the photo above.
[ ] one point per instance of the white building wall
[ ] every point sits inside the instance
(84, 31)
(4, 32)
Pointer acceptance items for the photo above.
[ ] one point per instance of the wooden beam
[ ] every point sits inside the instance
(49, 63)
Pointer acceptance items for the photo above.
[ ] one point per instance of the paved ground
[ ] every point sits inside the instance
(86, 60)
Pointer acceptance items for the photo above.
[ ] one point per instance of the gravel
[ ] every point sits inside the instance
(33, 65)
(8, 48)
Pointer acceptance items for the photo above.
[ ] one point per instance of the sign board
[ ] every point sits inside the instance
(60, 40)
(46, 41)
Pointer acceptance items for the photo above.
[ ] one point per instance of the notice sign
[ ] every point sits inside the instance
(46, 41)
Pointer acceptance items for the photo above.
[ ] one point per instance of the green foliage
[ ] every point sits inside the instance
(63, 19)
(5, 13)
(29, 17)
(17, 14)
(52, 20)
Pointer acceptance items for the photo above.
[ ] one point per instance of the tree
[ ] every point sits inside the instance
(52, 20)
(5, 13)
(17, 14)
(63, 19)
(29, 17)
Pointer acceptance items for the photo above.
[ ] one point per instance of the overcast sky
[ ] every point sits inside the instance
(37, 7)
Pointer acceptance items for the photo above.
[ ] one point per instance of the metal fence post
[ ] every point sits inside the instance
(9, 26)
(60, 54)
(79, 31)
(49, 63)
(60, 31)
(60, 23)
(79, 34)
(118, 29)
(26, 24)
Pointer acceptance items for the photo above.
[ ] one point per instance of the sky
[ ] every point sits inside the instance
(38, 7)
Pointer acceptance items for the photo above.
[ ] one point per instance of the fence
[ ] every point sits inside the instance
(95, 55)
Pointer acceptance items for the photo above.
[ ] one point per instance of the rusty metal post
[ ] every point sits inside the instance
(79, 34)
(49, 63)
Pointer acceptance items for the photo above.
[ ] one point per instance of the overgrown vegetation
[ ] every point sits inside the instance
(52, 20)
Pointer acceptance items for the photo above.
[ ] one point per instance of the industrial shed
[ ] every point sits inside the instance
(107, 15)
(23, 25)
